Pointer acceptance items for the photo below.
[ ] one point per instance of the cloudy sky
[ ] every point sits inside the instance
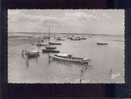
(70, 21)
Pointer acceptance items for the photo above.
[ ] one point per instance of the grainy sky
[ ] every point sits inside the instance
(67, 21)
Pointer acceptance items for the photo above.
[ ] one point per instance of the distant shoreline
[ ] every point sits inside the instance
(10, 34)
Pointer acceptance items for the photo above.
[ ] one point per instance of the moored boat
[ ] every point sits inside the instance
(59, 39)
(41, 44)
(69, 58)
(50, 47)
(50, 51)
(98, 43)
(54, 43)
(30, 54)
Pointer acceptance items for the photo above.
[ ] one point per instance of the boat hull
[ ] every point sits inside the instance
(102, 43)
(50, 47)
(80, 61)
(50, 51)
(32, 55)
(41, 44)
(52, 43)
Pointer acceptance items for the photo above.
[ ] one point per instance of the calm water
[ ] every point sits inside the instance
(106, 65)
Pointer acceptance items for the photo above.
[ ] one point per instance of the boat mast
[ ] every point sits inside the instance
(49, 45)
(49, 32)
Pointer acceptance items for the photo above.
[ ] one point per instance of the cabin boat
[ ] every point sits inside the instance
(69, 58)
(98, 43)
(31, 54)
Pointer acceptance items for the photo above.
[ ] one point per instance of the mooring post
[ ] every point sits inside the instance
(27, 62)
(49, 58)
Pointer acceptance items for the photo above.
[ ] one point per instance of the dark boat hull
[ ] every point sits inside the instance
(50, 51)
(102, 43)
(52, 43)
(41, 44)
(50, 47)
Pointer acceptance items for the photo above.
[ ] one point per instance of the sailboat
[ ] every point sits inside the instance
(49, 48)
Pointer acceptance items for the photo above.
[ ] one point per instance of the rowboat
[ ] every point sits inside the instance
(69, 58)
(41, 44)
(54, 43)
(59, 39)
(50, 51)
(50, 47)
(101, 43)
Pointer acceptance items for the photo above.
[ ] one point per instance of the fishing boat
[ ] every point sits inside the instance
(30, 54)
(69, 58)
(54, 43)
(46, 50)
(98, 43)
(59, 39)
(41, 44)
(83, 38)
(75, 38)
(50, 47)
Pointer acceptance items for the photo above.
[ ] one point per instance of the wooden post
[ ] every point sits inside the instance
(48, 58)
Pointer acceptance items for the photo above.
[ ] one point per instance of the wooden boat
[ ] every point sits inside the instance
(83, 38)
(101, 43)
(41, 44)
(54, 43)
(50, 47)
(69, 58)
(59, 39)
(75, 38)
(50, 51)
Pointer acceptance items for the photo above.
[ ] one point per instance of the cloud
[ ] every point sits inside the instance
(78, 21)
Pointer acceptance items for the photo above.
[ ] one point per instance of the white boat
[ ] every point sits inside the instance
(69, 58)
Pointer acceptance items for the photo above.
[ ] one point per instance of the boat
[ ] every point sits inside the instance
(98, 43)
(83, 38)
(50, 50)
(75, 38)
(59, 39)
(41, 44)
(69, 58)
(54, 43)
(31, 54)
(50, 47)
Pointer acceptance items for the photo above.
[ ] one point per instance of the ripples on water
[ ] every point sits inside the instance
(105, 62)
